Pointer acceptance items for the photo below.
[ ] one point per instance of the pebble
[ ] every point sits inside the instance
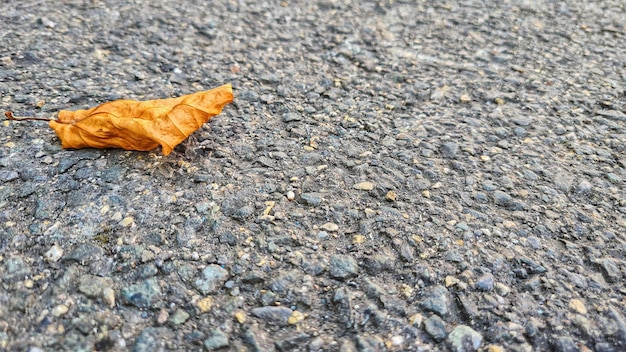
(485, 282)
(563, 181)
(502, 198)
(436, 300)
(15, 269)
(178, 317)
(108, 295)
(295, 318)
(502, 289)
(451, 281)
(60, 310)
(205, 304)
(449, 150)
(291, 195)
(53, 254)
(211, 279)
(565, 344)
(358, 239)
(144, 294)
(464, 339)
(8, 175)
(312, 198)
(293, 343)
(330, 227)
(343, 266)
(218, 339)
(464, 99)
(364, 186)
(240, 316)
(147, 341)
(522, 119)
(248, 95)
(435, 327)
(578, 306)
(273, 315)
(92, 286)
(85, 253)
(391, 196)
(610, 270)
(291, 117)
(127, 221)
(495, 348)
(162, 316)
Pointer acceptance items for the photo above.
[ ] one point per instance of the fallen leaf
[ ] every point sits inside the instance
(138, 125)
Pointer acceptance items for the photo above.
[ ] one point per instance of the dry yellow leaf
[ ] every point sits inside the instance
(139, 125)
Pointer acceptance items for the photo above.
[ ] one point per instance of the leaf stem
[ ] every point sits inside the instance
(9, 115)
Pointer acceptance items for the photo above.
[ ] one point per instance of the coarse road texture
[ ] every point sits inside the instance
(407, 175)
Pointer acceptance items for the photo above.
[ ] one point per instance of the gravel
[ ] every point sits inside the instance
(391, 176)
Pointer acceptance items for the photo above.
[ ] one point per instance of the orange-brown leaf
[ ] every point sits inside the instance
(140, 125)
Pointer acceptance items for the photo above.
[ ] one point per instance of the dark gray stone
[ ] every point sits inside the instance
(485, 282)
(85, 253)
(449, 150)
(312, 198)
(435, 327)
(436, 299)
(217, 339)
(343, 266)
(273, 315)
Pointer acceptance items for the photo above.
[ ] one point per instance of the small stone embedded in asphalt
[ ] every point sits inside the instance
(178, 317)
(273, 315)
(8, 175)
(292, 116)
(15, 269)
(211, 279)
(578, 306)
(92, 285)
(143, 294)
(610, 270)
(436, 299)
(330, 227)
(485, 282)
(248, 95)
(522, 120)
(343, 266)
(85, 253)
(148, 340)
(563, 181)
(464, 339)
(60, 310)
(449, 150)
(54, 254)
(364, 186)
(502, 198)
(217, 339)
(435, 327)
(312, 198)
(293, 343)
(565, 344)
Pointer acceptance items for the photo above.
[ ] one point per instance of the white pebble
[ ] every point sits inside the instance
(53, 254)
